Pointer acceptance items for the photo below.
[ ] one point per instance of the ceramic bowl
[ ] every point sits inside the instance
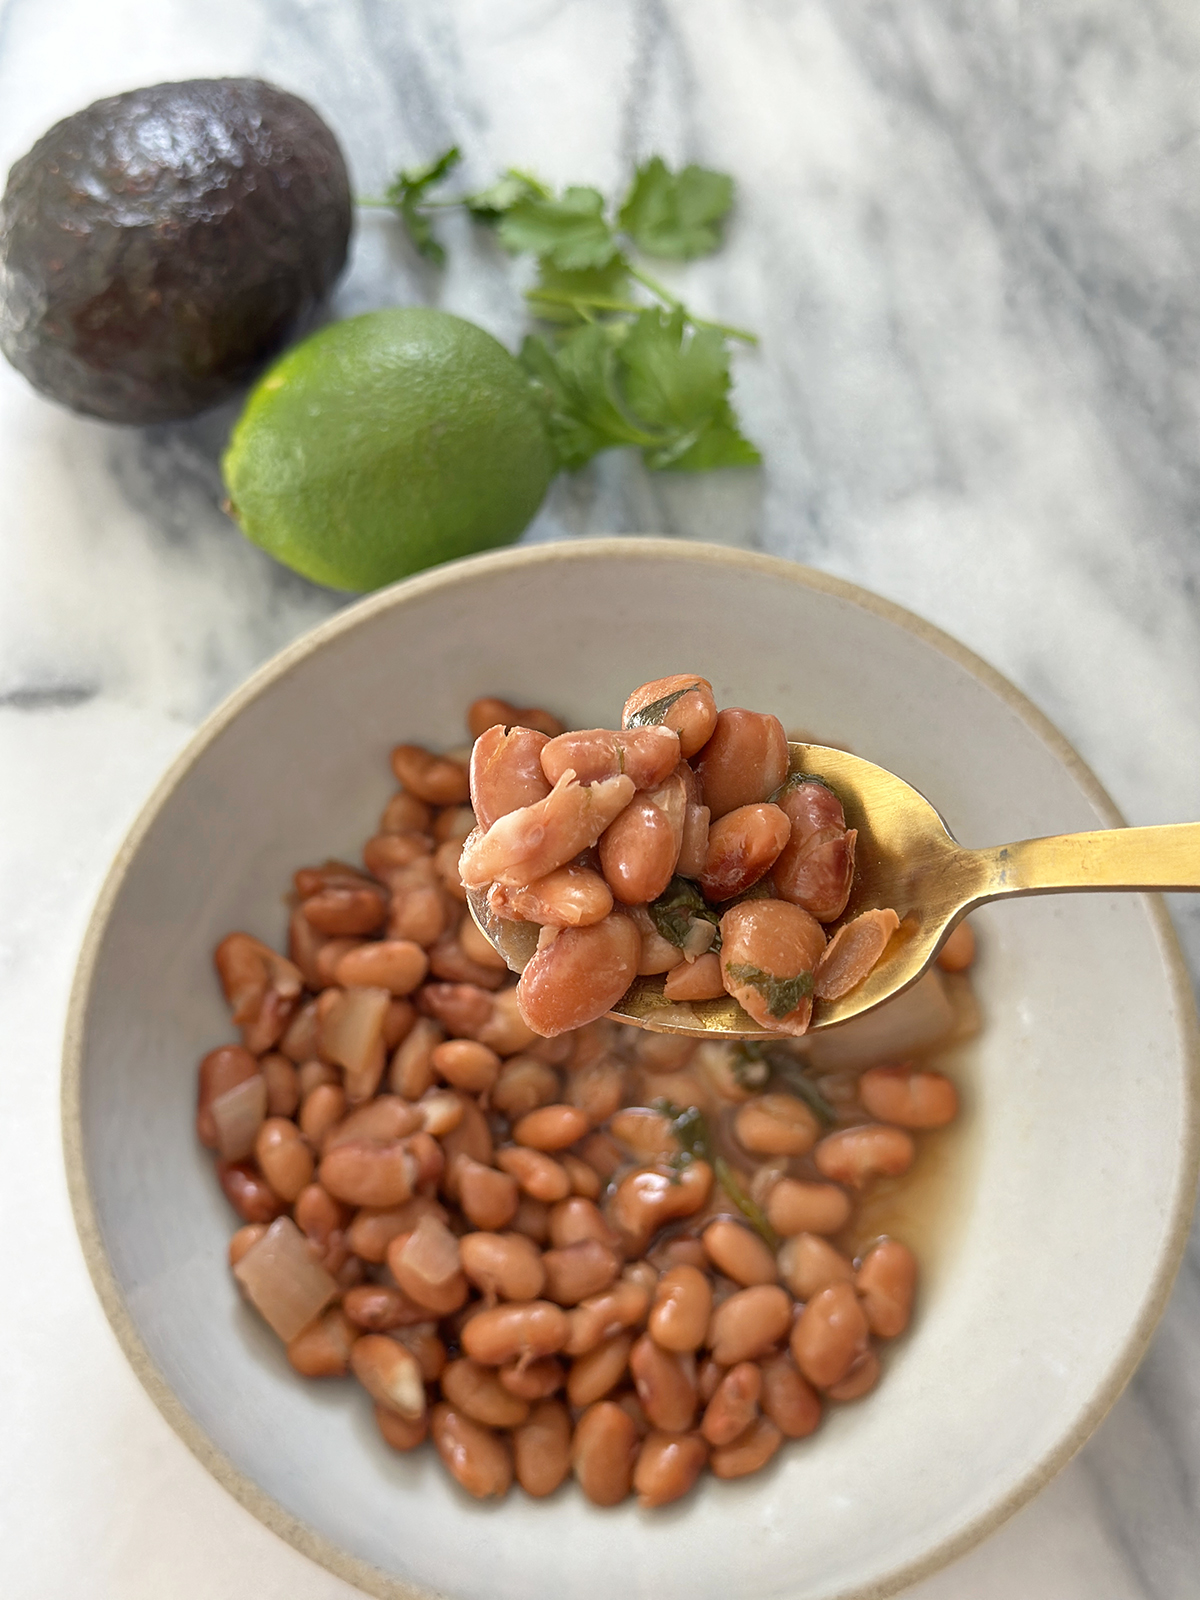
(1058, 1233)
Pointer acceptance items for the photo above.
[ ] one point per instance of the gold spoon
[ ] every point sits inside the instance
(906, 858)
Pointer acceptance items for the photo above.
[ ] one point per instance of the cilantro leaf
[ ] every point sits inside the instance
(654, 712)
(676, 908)
(782, 995)
(560, 296)
(576, 382)
(750, 1209)
(676, 379)
(569, 232)
(406, 192)
(500, 197)
(676, 215)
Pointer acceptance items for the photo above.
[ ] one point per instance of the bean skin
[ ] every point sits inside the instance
(734, 1406)
(478, 1393)
(886, 1282)
(580, 976)
(506, 1332)
(507, 1266)
(603, 1451)
(693, 716)
(743, 762)
(749, 1324)
(853, 952)
(788, 1399)
(795, 1206)
(743, 846)
(438, 780)
(542, 1448)
(748, 1453)
(479, 1460)
(526, 845)
(666, 1384)
(782, 942)
(908, 1099)
(738, 1253)
(682, 1307)
(389, 1373)
(853, 1156)
(646, 755)
(667, 1466)
(579, 1271)
(401, 1433)
(829, 1335)
(598, 1371)
(808, 1264)
(551, 1127)
(284, 1157)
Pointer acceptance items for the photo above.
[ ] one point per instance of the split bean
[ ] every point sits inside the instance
(389, 1373)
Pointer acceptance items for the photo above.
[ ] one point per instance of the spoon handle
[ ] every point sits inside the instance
(1165, 857)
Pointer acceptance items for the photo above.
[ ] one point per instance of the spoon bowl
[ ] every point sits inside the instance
(906, 859)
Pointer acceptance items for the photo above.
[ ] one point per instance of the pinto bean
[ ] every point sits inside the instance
(743, 845)
(829, 1335)
(816, 871)
(389, 1373)
(397, 965)
(284, 1157)
(506, 772)
(479, 1460)
(262, 988)
(598, 1371)
(374, 1227)
(427, 1266)
(533, 1380)
(852, 953)
(639, 850)
(603, 1451)
(647, 1198)
(958, 952)
(411, 1072)
(808, 1264)
(738, 1253)
(472, 1137)
(504, 1029)
(366, 1174)
(538, 1174)
(579, 1271)
(667, 1466)
(387, 853)
(862, 1377)
(248, 1192)
(343, 910)
(488, 1198)
(478, 1393)
(855, 1155)
(689, 709)
(682, 1308)
(283, 1085)
(404, 813)
(419, 907)
(532, 1219)
(542, 1448)
(220, 1070)
(580, 976)
(551, 1127)
(748, 1453)
(466, 1064)
(487, 711)
(507, 1266)
(656, 954)
(886, 1282)
(438, 780)
(666, 1384)
(648, 756)
(734, 1406)
(749, 1323)
(578, 1218)
(378, 1308)
(695, 980)
(526, 845)
(570, 897)
(449, 961)
(796, 1206)
(584, 1181)
(603, 1315)
(508, 1332)
(744, 761)
(776, 1125)
(768, 951)
(908, 1099)
(299, 1042)
(401, 1433)
(789, 1400)
(382, 1119)
(245, 1239)
(523, 1084)
(322, 1350)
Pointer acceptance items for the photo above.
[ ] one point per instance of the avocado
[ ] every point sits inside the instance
(157, 247)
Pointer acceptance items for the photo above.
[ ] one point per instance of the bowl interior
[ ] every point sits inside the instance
(1078, 1092)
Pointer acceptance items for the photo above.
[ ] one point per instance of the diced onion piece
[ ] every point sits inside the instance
(352, 1030)
(432, 1251)
(282, 1281)
(239, 1114)
(700, 936)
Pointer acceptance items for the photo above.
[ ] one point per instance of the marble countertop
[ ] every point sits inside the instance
(969, 237)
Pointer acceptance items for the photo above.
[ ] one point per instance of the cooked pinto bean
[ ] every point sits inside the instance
(639, 850)
(525, 845)
(854, 1155)
(250, 1195)
(542, 1448)
(829, 1335)
(796, 1206)
(506, 772)
(397, 965)
(789, 1400)
(886, 1281)
(507, 1266)
(487, 711)
(578, 1218)
(776, 1125)
(738, 1253)
(734, 1406)
(579, 976)
(603, 1451)
(749, 1324)
(389, 1373)
(598, 1371)
(768, 951)
(322, 1350)
(438, 780)
(648, 1198)
(666, 1384)
(551, 1127)
(602, 1315)
(862, 1376)
(466, 1064)
(538, 1174)
(682, 1308)
(404, 813)
(401, 1433)
(479, 1460)
(816, 867)
(646, 755)
(262, 988)
(363, 1173)
(428, 1267)
(743, 762)
(533, 1380)
(488, 1198)
(245, 1239)
(743, 845)
(283, 1085)
(808, 1264)
(378, 1308)
(748, 1453)
(374, 1227)
(667, 1466)
(478, 1393)
(220, 1070)
(682, 703)
(695, 980)
(569, 897)
(504, 1333)
(284, 1156)
(907, 1098)
(579, 1271)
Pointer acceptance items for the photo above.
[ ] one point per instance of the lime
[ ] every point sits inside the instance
(387, 443)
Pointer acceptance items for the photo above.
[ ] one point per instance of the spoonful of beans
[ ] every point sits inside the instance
(694, 872)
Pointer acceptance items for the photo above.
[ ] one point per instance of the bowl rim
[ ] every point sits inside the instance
(332, 1556)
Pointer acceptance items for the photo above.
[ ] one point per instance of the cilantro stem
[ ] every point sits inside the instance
(665, 295)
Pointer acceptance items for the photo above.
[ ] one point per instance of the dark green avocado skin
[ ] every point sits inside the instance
(157, 247)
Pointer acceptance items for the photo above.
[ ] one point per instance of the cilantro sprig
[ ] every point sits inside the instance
(614, 369)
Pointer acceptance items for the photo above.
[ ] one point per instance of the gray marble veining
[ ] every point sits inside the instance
(969, 236)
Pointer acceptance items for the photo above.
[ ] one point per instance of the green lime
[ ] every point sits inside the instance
(387, 443)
